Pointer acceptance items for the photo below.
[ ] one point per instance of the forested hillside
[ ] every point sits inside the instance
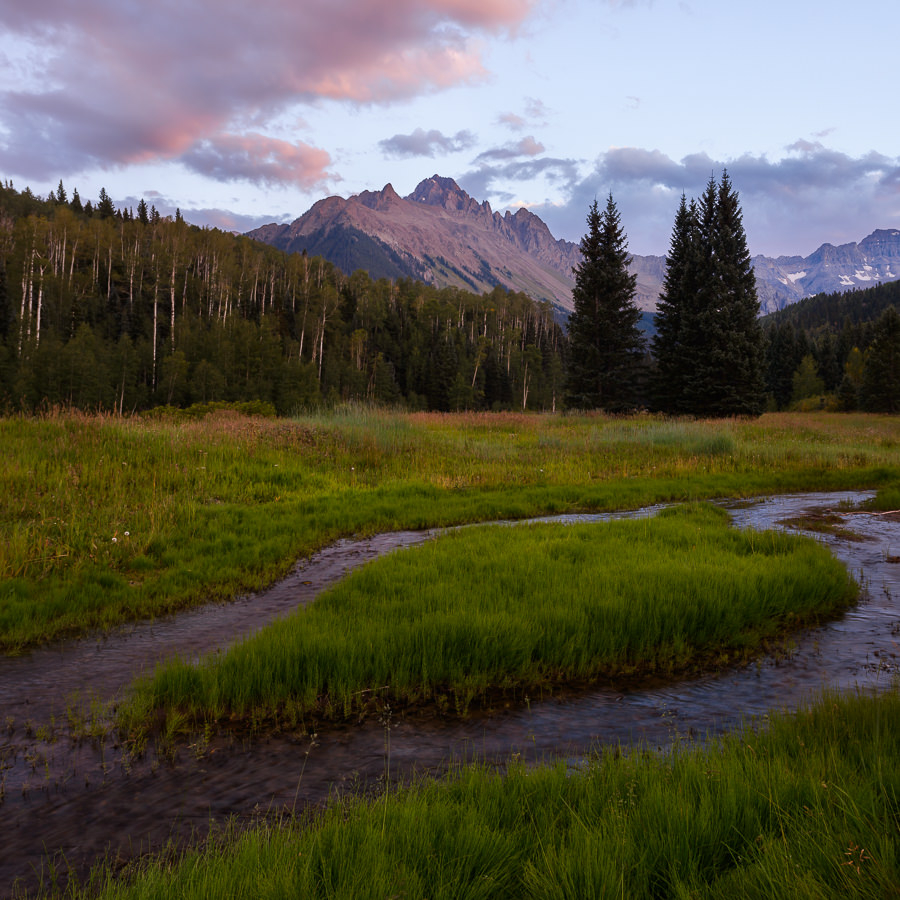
(834, 344)
(124, 310)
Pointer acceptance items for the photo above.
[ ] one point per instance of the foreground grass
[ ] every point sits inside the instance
(809, 808)
(104, 520)
(491, 609)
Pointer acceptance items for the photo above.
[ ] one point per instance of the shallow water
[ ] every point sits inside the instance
(83, 800)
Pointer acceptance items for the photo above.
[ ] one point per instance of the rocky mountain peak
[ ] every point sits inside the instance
(883, 242)
(381, 200)
(448, 195)
(442, 235)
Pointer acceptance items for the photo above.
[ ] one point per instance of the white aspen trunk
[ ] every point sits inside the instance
(322, 340)
(40, 303)
(172, 305)
(155, 320)
(27, 276)
(72, 264)
(59, 264)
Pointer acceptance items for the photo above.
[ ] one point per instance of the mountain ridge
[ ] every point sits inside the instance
(441, 235)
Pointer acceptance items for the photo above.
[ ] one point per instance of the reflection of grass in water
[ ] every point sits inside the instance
(488, 609)
(823, 523)
(105, 519)
(806, 808)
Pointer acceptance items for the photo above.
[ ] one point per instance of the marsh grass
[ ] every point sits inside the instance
(104, 519)
(806, 808)
(488, 610)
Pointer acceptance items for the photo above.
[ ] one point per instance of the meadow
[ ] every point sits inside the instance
(105, 519)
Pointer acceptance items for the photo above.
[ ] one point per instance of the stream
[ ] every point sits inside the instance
(67, 803)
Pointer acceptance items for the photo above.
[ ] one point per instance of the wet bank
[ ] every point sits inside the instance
(83, 799)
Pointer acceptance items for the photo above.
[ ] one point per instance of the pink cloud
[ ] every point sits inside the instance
(120, 82)
(259, 159)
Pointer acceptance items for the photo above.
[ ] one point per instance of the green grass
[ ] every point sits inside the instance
(105, 520)
(504, 609)
(808, 808)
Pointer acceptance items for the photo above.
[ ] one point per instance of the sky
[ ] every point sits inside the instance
(244, 113)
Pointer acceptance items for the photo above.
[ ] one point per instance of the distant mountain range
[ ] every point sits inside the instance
(441, 235)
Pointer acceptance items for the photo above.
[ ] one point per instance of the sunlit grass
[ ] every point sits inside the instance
(506, 609)
(106, 519)
(806, 808)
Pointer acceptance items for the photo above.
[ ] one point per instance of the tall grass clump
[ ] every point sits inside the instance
(806, 808)
(498, 608)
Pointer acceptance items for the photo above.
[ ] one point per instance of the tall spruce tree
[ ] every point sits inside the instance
(605, 343)
(675, 343)
(712, 347)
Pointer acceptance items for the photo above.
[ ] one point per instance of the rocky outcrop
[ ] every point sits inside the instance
(442, 235)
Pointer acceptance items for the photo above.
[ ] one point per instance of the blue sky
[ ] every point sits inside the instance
(241, 114)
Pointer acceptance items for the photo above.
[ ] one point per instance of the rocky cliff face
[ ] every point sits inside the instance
(441, 235)
(437, 234)
(829, 269)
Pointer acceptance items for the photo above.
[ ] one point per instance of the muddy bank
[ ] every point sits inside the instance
(83, 800)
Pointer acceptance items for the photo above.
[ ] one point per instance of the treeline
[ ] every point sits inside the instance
(839, 349)
(105, 308)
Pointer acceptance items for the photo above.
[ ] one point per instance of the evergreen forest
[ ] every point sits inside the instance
(126, 310)
(121, 310)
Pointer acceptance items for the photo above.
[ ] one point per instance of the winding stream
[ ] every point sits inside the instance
(81, 800)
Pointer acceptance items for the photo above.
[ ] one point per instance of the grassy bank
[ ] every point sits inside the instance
(493, 609)
(808, 808)
(105, 520)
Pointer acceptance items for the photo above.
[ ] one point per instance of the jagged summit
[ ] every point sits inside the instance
(442, 235)
(438, 234)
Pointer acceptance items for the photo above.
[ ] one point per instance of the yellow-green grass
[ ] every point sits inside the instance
(104, 519)
(504, 609)
(808, 808)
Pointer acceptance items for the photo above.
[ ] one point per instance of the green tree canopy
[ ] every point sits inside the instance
(880, 388)
(605, 344)
(710, 355)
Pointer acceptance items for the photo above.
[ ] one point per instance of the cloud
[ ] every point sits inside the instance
(812, 195)
(512, 121)
(535, 113)
(489, 180)
(426, 143)
(117, 82)
(528, 146)
(258, 159)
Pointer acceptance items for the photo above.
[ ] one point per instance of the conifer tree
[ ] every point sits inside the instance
(880, 388)
(605, 344)
(674, 343)
(716, 356)
(105, 207)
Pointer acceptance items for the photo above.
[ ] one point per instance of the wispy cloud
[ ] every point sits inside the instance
(426, 143)
(534, 114)
(528, 146)
(119, 82)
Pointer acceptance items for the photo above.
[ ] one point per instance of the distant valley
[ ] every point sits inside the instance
(440, 235)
